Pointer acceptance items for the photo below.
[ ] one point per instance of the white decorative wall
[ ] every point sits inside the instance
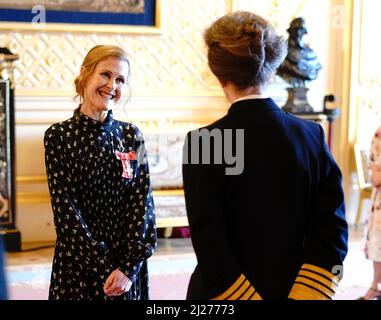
(366, 75)
(172, 87)
(172, 91)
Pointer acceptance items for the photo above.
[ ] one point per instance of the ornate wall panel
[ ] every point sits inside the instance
(174, 59)
(366, 79)
(173, 89)
(279, 12)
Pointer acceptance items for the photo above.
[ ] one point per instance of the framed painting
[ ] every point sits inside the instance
(107, 16)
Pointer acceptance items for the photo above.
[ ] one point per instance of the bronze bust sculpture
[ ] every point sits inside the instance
(300, 66)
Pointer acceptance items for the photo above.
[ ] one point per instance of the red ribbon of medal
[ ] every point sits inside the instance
(126, 158)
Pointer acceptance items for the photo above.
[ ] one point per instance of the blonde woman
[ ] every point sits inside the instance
(100, 190)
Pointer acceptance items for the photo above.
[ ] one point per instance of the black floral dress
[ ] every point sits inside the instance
(101, 197)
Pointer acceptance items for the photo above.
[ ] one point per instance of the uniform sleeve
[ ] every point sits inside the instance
(326, 239)
(222, 277)
(141, 238)
(72, 230)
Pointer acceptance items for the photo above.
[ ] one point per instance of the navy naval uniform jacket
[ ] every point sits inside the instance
(278, 229)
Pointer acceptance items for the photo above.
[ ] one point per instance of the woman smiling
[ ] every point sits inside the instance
(100, 190)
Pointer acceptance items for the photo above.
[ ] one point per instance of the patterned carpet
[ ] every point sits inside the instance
(170, 274)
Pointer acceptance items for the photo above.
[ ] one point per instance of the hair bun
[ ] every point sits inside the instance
(253, 30)
(240, 44)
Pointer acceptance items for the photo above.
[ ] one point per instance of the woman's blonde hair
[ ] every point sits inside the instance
(93, 57)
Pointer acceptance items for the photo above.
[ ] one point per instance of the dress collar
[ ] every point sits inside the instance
(86, 121)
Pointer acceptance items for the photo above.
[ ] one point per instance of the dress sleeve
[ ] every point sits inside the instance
(72, 230)
(141, 234)
(326, 238)
(222, 277)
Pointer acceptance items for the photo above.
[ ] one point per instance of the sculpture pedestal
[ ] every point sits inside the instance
(297, 101)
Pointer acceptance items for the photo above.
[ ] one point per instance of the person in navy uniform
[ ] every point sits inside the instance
(263, 194)
(100, 190)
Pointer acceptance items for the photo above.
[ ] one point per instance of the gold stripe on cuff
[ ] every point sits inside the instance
(330, 284)
(301, 292)
(256, 297)
(240, 291)
(248, 294)
(315, 285)
(322, 271)
(236, 285)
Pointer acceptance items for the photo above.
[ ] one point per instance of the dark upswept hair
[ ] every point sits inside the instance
(244, 48)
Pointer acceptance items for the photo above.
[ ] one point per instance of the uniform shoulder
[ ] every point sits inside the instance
(218, 124)
(309, 125)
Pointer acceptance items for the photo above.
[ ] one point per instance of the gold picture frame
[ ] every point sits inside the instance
(157, 28)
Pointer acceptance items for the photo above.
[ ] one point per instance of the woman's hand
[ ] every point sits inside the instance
(116, 284)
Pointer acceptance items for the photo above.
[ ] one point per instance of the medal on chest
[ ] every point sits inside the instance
(126, 157)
